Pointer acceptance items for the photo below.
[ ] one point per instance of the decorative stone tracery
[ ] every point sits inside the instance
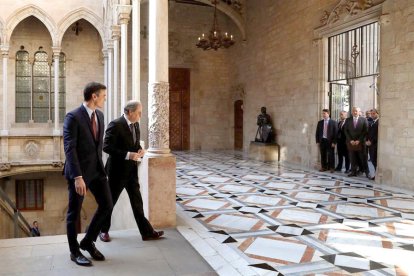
(158, 110)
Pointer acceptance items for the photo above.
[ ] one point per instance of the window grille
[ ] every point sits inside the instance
(29, 194)
(23, 86)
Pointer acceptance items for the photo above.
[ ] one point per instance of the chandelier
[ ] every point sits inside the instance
(215, 38)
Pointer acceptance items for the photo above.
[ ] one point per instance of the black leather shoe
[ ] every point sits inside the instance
(347, 171)
(338, 169)
(90, 247)
(79, 259)
(352, 174)
(370, 177)
(154, 236)
(104, 237)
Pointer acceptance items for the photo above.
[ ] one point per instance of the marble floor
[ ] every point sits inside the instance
(247, 217)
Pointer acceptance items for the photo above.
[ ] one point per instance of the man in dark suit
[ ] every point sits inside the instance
(356, 128)
(326, 135)
(341, 144)
(372, 138)
(122, 144)
(83, 130)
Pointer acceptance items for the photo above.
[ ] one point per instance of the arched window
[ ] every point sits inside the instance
(35, 87)
(23, 86)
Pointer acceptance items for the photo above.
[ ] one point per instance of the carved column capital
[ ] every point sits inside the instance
(158, 121)
(116, 31)
(123, 12)
(56, 52)
(4, 49)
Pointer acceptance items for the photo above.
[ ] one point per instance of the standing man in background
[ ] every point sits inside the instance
(372, 138)
(341, 144)
(326, 134)
(83, 131)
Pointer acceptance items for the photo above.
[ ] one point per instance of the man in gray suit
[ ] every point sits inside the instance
(356, 129)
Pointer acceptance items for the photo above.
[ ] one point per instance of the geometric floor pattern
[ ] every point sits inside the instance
(257, 218)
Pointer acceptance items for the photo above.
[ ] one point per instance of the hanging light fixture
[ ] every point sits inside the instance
(215, 38)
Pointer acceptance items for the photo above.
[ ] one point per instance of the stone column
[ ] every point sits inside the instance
(5, 54)
(109, 87)
(159, 164)
(115, 36)
(123, 19)
(105, 56)
(56, 56)
(136, 49)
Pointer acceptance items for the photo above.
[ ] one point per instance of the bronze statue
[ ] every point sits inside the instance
(265, 129)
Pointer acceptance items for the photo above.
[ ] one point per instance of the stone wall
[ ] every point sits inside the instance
(396, 132)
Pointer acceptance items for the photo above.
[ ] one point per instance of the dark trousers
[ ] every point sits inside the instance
(373, 154)
(327, 154)
(100, 189)
(132, 187)
(342, 154)
(359, 159)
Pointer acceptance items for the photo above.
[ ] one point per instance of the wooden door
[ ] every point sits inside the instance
(238, 125)
(179, 79)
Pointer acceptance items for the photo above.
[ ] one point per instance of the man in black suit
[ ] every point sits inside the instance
(83, 130)
(356, 128)
(341, 144)
(326, 135)
(372, 138)
(122, 144)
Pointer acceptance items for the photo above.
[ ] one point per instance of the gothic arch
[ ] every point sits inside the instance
(236, 17)
(26, 11)
(72, 17)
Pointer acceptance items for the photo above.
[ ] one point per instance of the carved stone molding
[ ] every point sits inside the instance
(57, 164)
(158, 113)
(347, 8)
(32, 148)
(5, 167)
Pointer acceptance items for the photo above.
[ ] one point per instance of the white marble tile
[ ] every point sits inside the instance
(357, 192)
(312, 196)
(265, 200)
(235, 222)
(199, 173)
(236, 188)
(250, 209)
(345, 240)
(277, 249)
(400, 204)
(289, 230)
(356, 223)
(206, 204)
(348, 209)
(297, 215)
(215, 179)
(403, 229)
(293, 175)
(188, 191)
(355, 262)
(287, 186)
(255, 177)
(321, 182)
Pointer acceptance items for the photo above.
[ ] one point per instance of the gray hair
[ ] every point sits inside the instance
(131, 106)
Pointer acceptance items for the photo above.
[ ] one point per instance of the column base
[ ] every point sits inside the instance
(158, 189)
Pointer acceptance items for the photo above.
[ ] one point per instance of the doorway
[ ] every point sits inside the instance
(179, 117)
(238, 125)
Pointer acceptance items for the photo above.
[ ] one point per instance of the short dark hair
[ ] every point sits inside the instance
(326, 110)
(34, 222)
(91, 88)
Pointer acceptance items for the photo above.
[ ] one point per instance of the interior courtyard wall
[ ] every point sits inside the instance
(278, 67)
(396, 132)
(210, 94)
(52, 219)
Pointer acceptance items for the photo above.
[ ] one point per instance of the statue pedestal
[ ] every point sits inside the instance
(264, 151)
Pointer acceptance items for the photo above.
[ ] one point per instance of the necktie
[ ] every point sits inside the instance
(325, 129)
(355, 122)
(93, 123)
(134, 134)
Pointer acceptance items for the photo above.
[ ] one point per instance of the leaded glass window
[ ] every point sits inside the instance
(41, 87)
(23, 86)
(62, 88)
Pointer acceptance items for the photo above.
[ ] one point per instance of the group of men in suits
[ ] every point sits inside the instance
(83, 132)
(351, 136)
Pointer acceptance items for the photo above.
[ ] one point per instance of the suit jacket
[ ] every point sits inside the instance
(373, 132)
(332, 131)
(83, 153)
(341, 138)
(356, 133)
(118, 142)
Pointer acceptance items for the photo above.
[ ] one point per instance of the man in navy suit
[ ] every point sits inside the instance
(356, 129)
(372, 137)
(122, 144)
(83, 131)
(326, 135)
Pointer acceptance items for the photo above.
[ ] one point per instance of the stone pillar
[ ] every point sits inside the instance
(159, 164)
(109, 87)
(136, 50)
(115, 36)
(105, 56)
(56, 61)
(5, 54)
(123, 19)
